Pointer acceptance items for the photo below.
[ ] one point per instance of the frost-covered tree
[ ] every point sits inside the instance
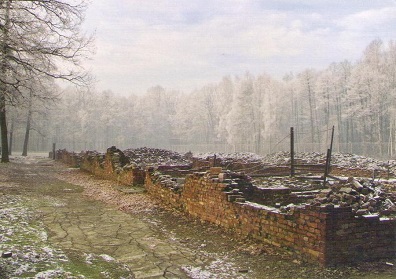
(157, 107)
(225, 96)
(36, 110)
(368, 94)
(240, 119)
(270, 112)
(38, 39)
(390, 72)
(308, 91)
(203, 115)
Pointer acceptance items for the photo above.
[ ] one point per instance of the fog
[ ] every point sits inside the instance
(245, 113)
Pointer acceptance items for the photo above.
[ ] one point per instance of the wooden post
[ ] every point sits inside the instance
(328, 158)
(292, 170)
(53, 151)
(332, 139)
(327, 167)
(331, 151)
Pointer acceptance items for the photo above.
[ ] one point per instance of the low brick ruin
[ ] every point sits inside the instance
(345, 221)
(112, 165)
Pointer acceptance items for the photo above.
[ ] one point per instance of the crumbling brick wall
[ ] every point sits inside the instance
(111, 165)
(160, 190)
(359, 238)
(302, 231)
(92, 162)
(327, 234)
(70, 158)
(270, 196)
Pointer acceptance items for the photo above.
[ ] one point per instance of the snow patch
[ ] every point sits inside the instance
(107, 258)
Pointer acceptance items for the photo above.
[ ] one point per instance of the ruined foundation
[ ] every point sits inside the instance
(324, 233)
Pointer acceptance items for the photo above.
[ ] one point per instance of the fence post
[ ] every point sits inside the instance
(292, 170)
(332, 139)
(53, 151)
(327, 167)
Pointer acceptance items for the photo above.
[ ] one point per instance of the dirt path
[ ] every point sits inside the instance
(62, 223)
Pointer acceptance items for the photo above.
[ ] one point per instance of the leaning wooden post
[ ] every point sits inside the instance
(53, 151)
(292, 170)
(331, 141)
(327, 167)
(330, 152)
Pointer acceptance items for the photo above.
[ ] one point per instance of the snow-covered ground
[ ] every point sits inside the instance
(24, 238)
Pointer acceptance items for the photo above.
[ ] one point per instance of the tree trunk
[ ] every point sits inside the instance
(380, 137)
(3, 120)
(390, 148)
(311, 112)
(11, 137)
(27, 133)
(4, 134)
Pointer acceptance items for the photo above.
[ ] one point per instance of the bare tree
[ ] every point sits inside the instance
(39, 39)
(35, 106)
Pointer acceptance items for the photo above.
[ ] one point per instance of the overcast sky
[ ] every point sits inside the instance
(187, 44)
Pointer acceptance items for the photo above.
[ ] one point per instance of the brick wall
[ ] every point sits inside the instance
(163, 190)
(327, 235)
(111, 165)
(70, 158)
(301, 231)
(359, 238)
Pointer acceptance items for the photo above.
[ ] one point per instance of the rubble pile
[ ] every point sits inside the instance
(348, 161)
(167, 181)
(228, 157)
(238, 162)
(118, 158)
(278, 159)
(360, 162)
(92, 156)
(290, 182)
(145, 156)
(363, 196)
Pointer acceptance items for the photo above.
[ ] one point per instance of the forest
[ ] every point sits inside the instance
(244, 113)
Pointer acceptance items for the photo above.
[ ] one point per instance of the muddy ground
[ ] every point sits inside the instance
(57, 222)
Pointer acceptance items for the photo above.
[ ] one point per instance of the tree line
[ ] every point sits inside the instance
(240, 113)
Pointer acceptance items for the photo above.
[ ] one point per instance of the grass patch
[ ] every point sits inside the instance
(97, 266)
